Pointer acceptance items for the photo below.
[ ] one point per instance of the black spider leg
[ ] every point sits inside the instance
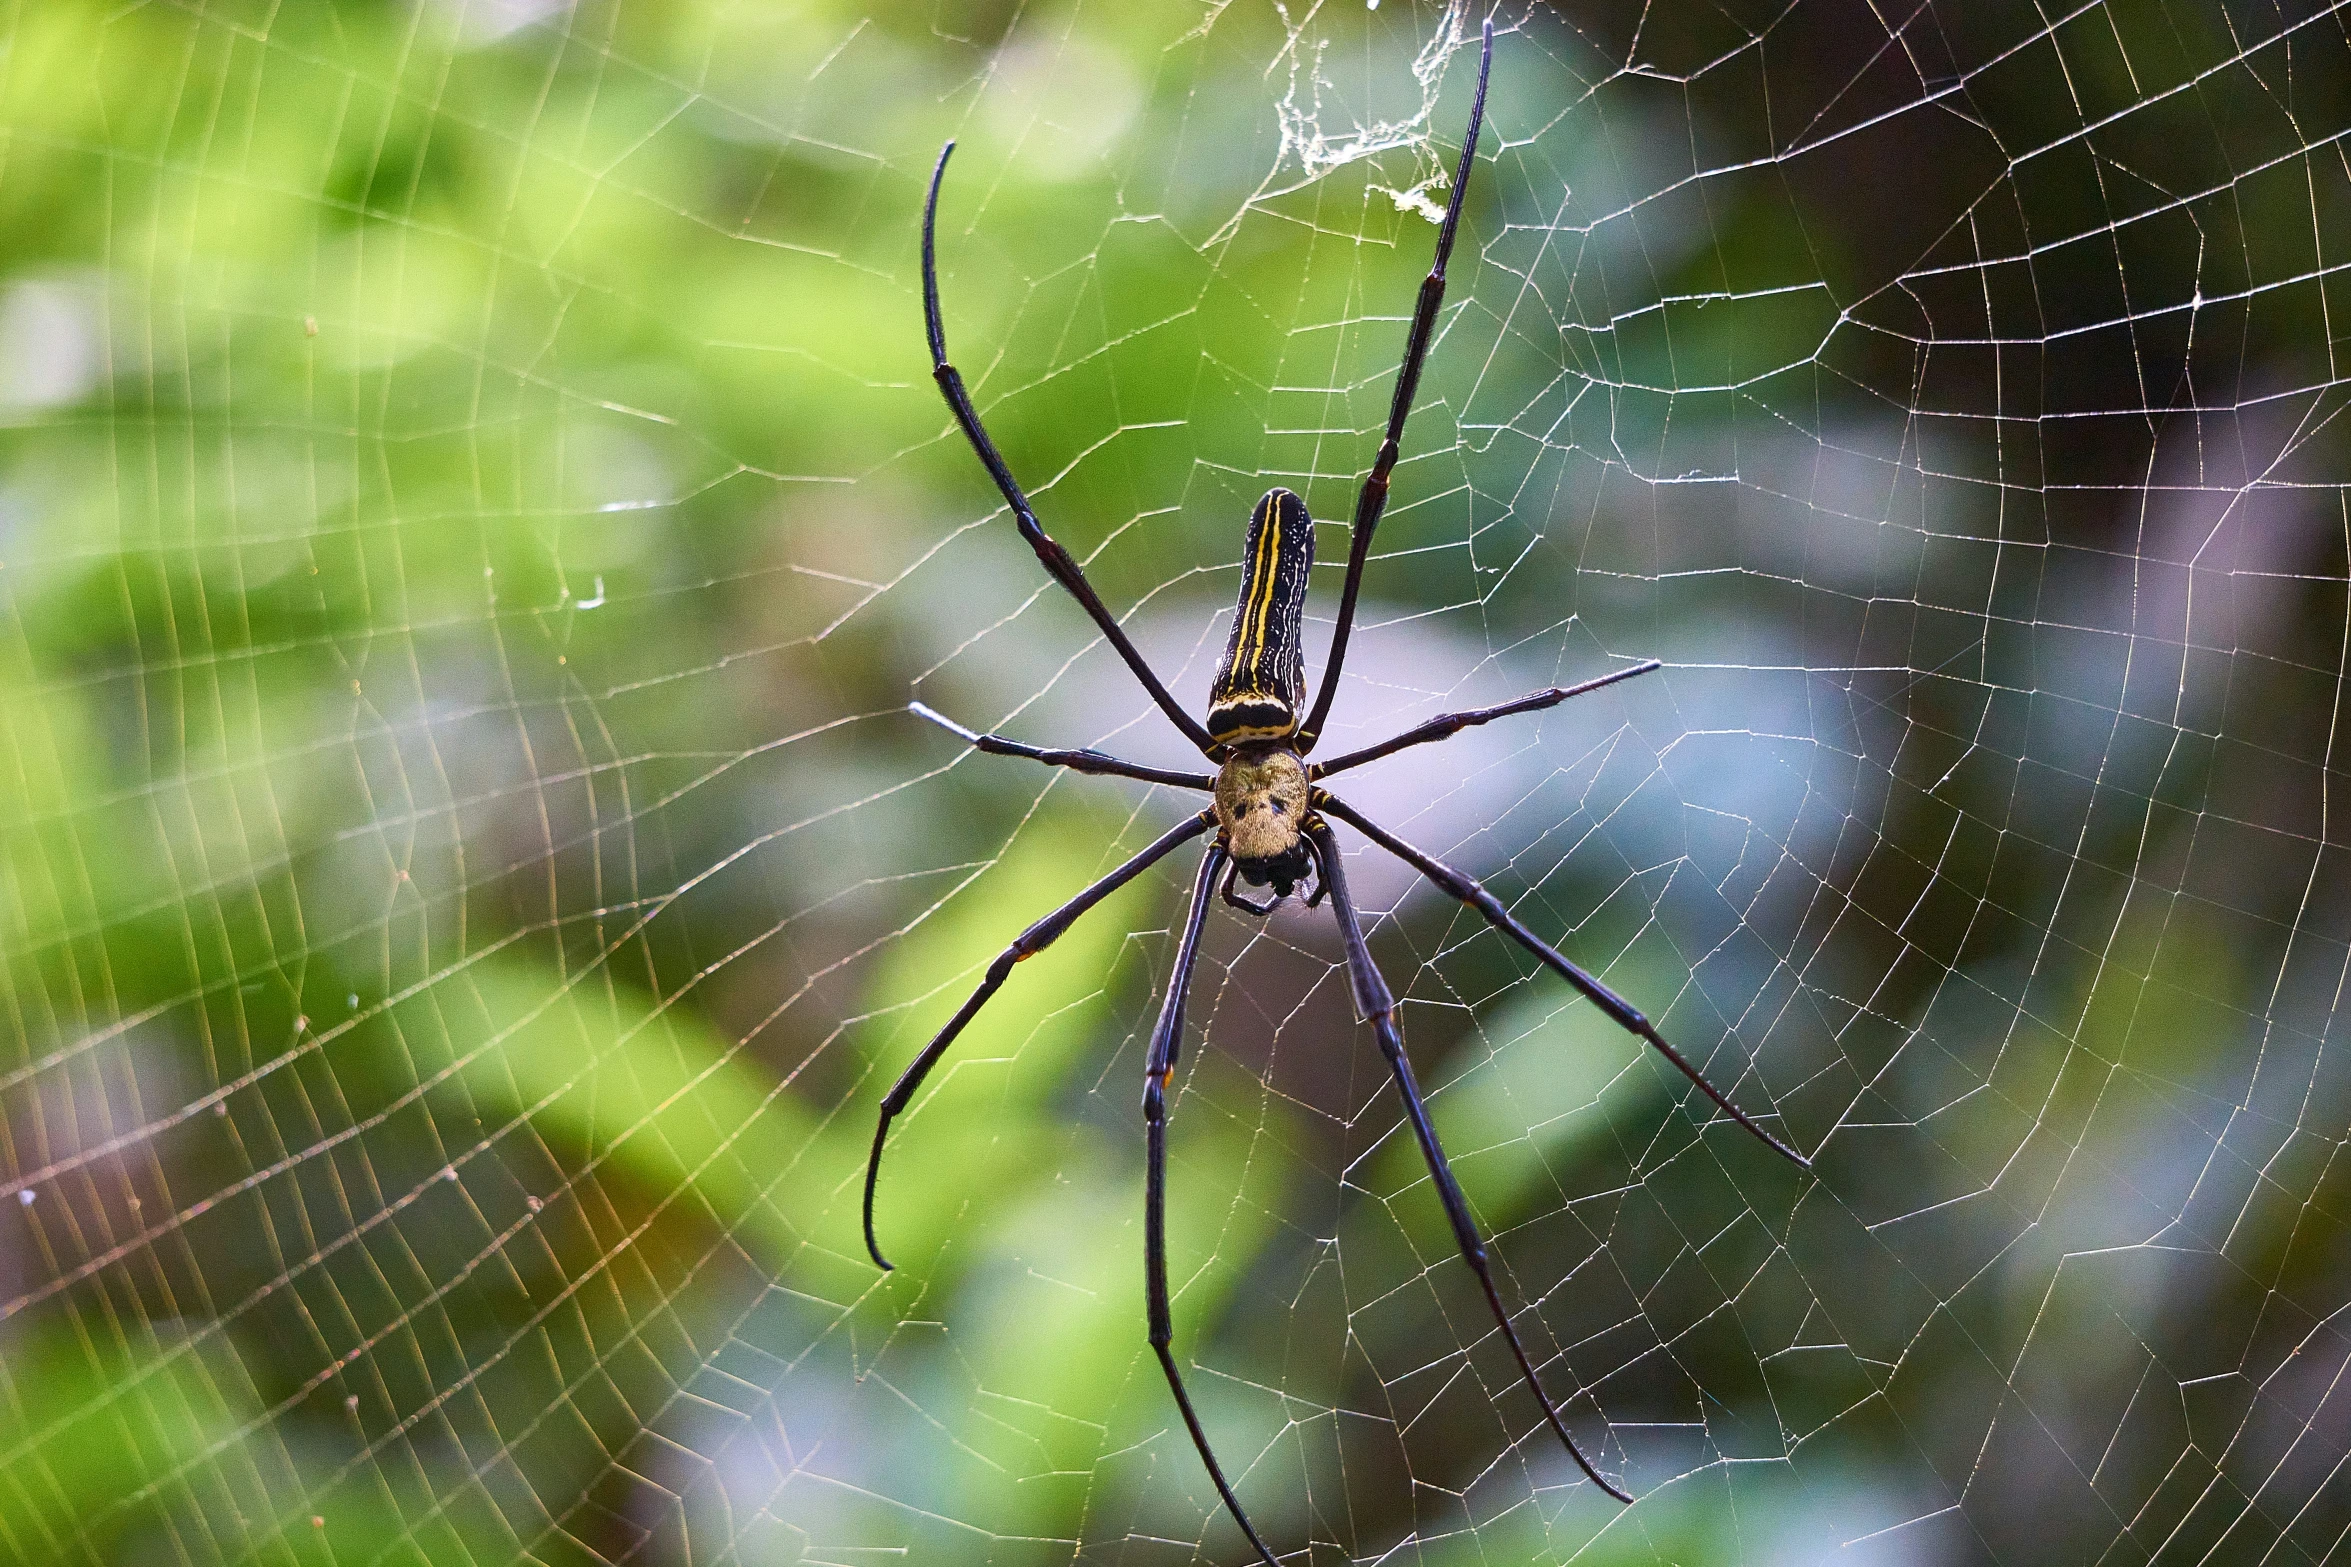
(1322, 876)
(1620, 1011)
(1373, 1000)
(1166, 1039)
(1245, 905)
(1373, 498)
(1084, 760)
(1446, 725)
(1030, 942)
(1261, 910)
(1057, 561)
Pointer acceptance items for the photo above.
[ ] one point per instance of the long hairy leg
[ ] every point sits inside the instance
(1159, 1068)
(1446, 725)
(1084, 759)
(1030, 942)
(1620, 1011)
(1372, 499)
(1058, 562)
(1374, 1001)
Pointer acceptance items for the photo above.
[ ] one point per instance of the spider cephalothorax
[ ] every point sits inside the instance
(1262, 806)
(1268, 810)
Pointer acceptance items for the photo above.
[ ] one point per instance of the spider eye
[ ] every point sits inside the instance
(1275, 806)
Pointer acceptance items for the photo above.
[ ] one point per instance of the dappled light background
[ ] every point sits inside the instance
(474, 512)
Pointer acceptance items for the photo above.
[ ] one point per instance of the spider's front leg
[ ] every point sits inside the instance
(1158, 1070)
(1027, 944)
(1620, 1011)
(1231, 894)
(1378, 1006)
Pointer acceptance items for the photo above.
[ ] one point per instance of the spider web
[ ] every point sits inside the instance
(474, 516)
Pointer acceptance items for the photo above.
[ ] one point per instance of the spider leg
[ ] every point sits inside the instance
(1446, 725)
(1374, 1001)
(1031, 941)
(1058, 562)
(1261, 910)
(1620, 1011)
(1322, 876)
(1373, 498)
(1086, 760)
(1166, 1039)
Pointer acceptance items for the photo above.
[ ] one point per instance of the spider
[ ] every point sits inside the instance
(1269, 812)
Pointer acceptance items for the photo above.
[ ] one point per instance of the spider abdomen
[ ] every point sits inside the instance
(1262, 680)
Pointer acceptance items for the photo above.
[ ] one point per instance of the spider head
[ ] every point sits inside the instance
(1261, 806)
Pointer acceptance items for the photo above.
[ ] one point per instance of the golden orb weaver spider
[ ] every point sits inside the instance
(1267, 807)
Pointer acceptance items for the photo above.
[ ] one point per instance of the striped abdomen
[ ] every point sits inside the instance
(1263, 678)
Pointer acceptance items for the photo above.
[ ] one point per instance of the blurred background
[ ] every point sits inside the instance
(473, 512)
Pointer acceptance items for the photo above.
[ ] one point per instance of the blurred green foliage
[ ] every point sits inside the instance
(472, 512)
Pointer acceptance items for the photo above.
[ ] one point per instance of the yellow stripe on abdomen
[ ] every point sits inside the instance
(1261, 682)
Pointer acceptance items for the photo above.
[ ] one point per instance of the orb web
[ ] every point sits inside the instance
(475, 515)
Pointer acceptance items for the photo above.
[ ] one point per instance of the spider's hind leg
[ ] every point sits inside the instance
(1372, 499)
(1059, 564)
